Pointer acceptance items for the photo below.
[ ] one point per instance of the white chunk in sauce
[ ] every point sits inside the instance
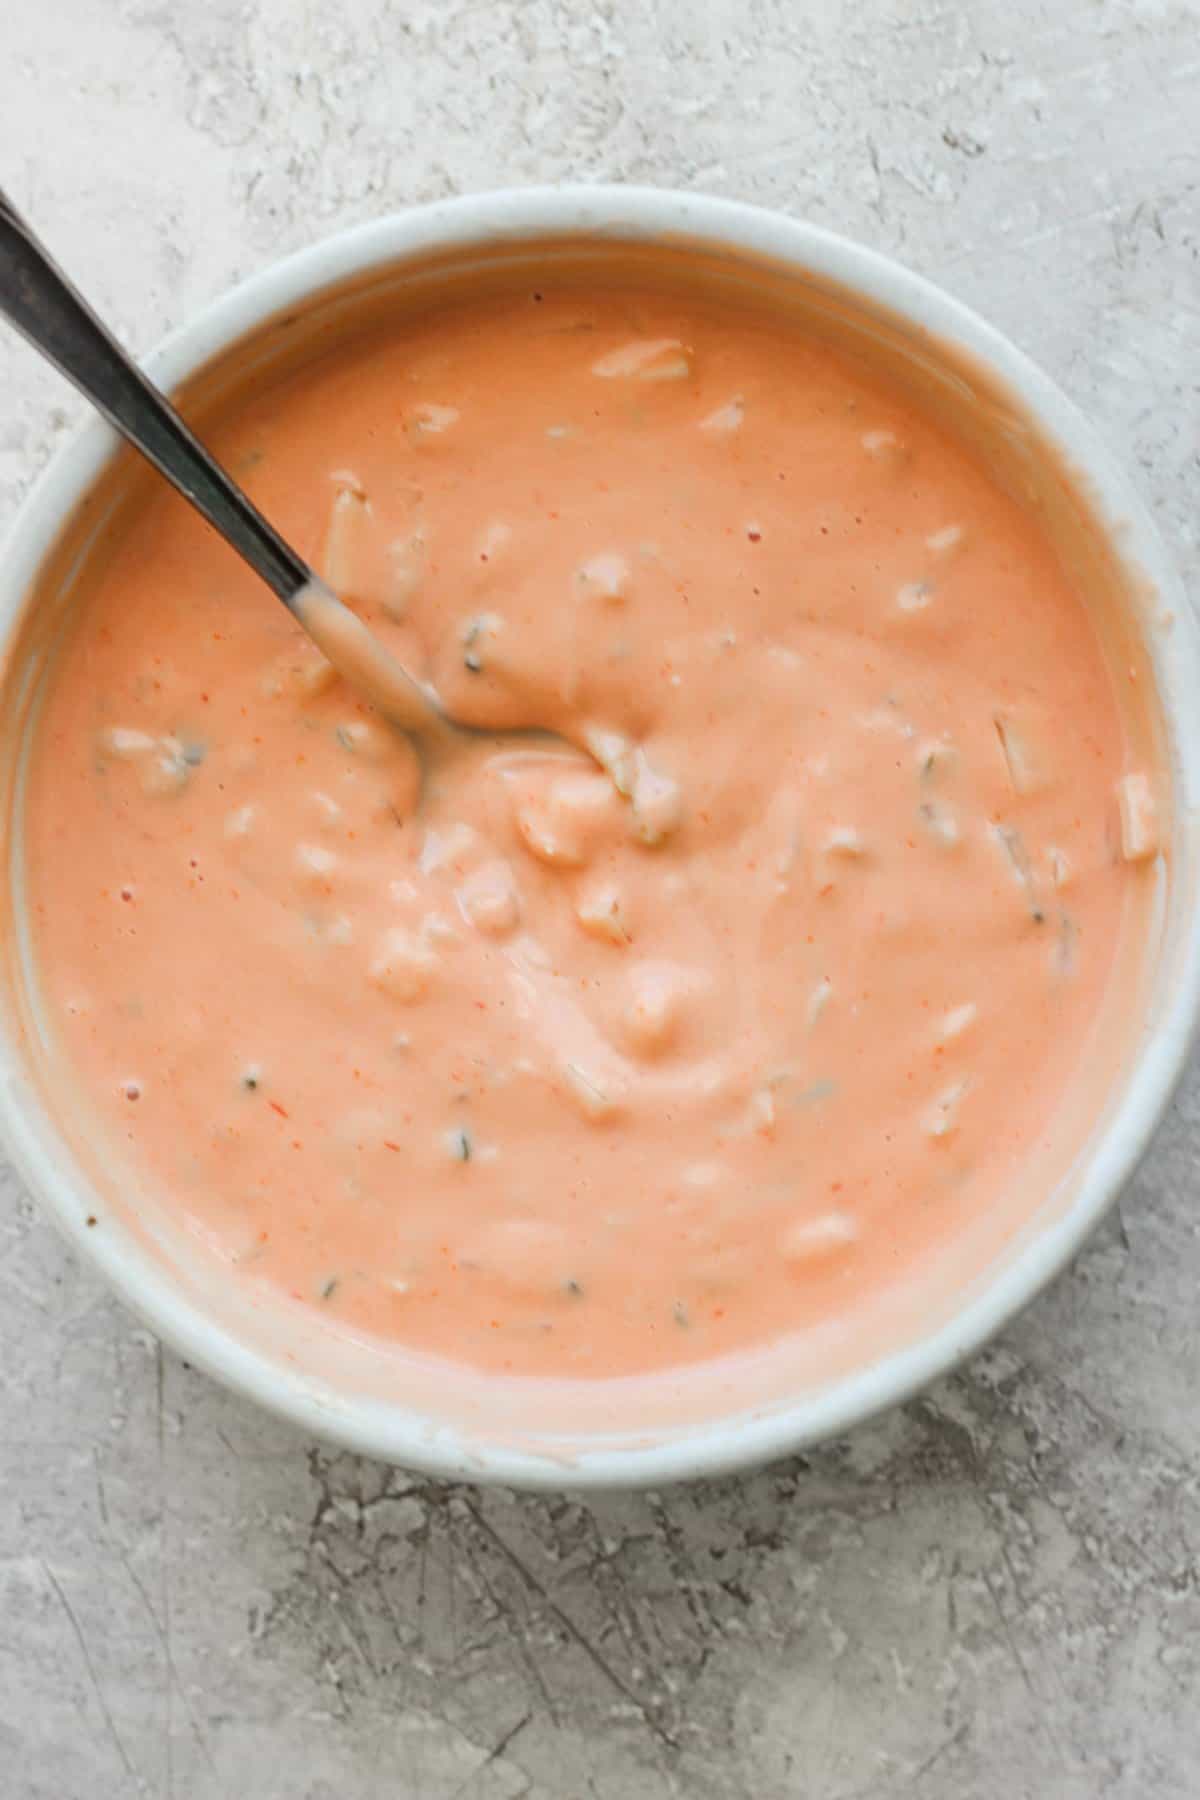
(1137, 804)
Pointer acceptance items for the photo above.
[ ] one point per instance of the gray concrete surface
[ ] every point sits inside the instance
(993, 1595)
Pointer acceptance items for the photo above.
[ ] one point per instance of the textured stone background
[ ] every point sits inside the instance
(994, 1594)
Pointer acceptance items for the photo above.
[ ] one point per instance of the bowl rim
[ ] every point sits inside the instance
(619, 214)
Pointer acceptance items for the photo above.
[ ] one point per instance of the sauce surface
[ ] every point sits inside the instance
(597, 1059)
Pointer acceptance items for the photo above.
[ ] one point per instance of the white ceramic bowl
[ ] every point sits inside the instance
(345, 1393)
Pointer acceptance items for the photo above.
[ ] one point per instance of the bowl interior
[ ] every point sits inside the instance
(449, 1419)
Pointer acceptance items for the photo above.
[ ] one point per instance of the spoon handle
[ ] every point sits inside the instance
(37, 298)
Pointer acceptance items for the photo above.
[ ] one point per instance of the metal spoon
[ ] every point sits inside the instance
(38, 299)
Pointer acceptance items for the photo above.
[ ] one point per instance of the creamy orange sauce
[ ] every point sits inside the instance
(593, 1059)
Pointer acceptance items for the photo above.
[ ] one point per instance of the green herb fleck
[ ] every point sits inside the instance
(330, 1288)
(1064, 950)
(472, 659)
(681, 1316)
(1014, 847)
(474, 630)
